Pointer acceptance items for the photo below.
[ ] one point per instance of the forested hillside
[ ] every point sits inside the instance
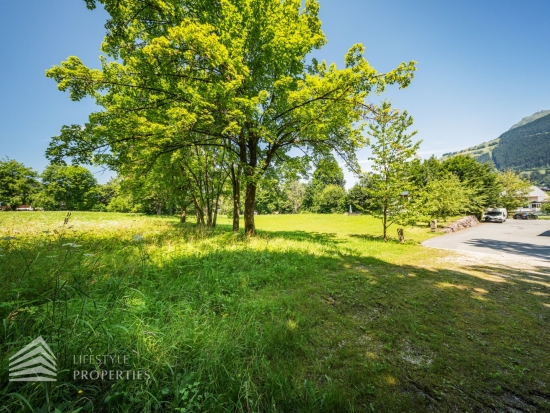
(524, 147)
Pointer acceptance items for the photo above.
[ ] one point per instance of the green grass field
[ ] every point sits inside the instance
(315, 314)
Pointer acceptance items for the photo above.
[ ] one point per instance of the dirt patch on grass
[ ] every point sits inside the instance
(517, 262)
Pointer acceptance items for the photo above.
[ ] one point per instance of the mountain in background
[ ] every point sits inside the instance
(534, 116)
(525, 148)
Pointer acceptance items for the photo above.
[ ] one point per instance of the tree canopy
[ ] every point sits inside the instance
(68, 187)
(229, 74)
(17, 183)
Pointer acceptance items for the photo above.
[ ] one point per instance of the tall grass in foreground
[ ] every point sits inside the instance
(174, 299)
(316, 314)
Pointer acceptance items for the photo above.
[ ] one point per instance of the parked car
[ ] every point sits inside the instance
(525, 215)
(530, 215)
(496, 215)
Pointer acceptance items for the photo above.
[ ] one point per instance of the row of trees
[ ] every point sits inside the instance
(403, 189)
(324, 193)
(58, 186)
(74, 187)
(540, 178)
(400, 188)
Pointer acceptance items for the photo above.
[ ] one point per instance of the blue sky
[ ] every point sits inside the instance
(482, 65)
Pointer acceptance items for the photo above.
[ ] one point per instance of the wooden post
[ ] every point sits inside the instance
(434, 225)
(401, 234)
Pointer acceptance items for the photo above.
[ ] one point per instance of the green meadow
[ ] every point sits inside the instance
(315, 314)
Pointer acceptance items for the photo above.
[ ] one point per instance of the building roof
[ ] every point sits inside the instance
(536, 192)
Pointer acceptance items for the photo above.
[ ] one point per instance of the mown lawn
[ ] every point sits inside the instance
(315, 314)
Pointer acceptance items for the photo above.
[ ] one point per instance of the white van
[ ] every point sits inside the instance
(496, 215)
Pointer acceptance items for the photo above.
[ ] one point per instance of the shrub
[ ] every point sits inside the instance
(331, 200)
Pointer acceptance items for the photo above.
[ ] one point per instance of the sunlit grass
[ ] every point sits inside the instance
(315, 314)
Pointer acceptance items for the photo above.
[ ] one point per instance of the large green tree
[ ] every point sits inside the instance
(480, 178)
(17, 183)
(229, 73)
(360, 196)
(331, 200)
(327, 172)
(423, 172)
(68, 187)
(442, 197)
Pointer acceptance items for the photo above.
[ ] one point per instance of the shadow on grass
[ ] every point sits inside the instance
(315, 237)
(298, 235)
(540, 275)
(380, 238)
(255, 328)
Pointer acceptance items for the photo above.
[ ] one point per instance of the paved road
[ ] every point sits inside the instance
(516, 237)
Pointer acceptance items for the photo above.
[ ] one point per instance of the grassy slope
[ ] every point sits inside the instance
(476, 151)
(315, 314)
(529, 119)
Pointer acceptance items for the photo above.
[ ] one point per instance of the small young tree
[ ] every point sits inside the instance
(392, 153)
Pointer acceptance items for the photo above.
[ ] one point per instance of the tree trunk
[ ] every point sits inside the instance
(249, 203)
(215, 218)
(183, 214)
(200, 213)
(159, 208)
(209, 214)
(385, 221)
(236, 211)
(236, 184)
(250, 171)
(401, 235)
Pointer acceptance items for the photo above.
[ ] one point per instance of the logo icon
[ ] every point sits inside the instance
(35, 362)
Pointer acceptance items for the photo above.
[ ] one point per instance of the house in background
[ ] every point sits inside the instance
(535, 198)
(24, 208)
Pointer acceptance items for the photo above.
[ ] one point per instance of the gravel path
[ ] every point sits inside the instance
(515, 242)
